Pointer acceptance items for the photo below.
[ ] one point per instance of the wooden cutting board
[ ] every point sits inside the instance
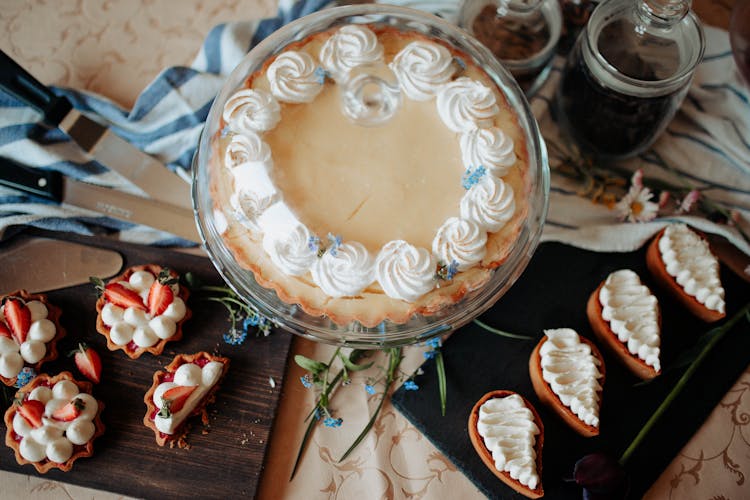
(225, 460)
(552, 293)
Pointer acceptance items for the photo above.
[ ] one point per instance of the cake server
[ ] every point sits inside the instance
(43, 264)
(95, 139)
(54, 186)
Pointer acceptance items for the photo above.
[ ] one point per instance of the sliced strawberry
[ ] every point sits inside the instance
(18, 317)
(159, 298)
(121, 296)
(32, 410)
(88, 362)
(174, 398)
(4, 331)
(70, 411)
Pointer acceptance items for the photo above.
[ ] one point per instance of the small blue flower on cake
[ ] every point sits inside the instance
(472, 176)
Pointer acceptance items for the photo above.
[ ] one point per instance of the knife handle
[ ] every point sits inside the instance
(19, 83)
(46, 184)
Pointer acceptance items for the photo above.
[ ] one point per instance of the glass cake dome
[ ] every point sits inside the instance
(213, 219)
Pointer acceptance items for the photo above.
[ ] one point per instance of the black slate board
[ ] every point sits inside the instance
(224, 462)
(552, 293)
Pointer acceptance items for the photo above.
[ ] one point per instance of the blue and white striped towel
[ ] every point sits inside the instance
(708, 143)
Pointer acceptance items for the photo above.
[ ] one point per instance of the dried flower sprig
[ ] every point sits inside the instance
(607, 186)
(318, 377)
(472, 176)
(242, 315)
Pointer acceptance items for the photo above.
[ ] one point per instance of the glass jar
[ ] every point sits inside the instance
(521, 34)
(627, 75)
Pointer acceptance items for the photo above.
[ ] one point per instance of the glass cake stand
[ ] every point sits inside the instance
(418, 328)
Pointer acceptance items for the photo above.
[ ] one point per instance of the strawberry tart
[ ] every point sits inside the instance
(53, 422)
(185, 389)
(142, 309)
(29, 331)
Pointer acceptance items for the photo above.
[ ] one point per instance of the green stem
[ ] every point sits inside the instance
(442, 383)
(726, 327)
(500, 332)
(302, 447)
(394, 360)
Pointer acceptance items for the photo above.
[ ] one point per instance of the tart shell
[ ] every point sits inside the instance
(151, 409)
(53, 314)
(45, 465)
(604, 333)
(657, 268)
(486, 455)
(547, 396)
(157, 348)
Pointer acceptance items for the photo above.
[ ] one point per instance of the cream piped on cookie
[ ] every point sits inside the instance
(632, 312)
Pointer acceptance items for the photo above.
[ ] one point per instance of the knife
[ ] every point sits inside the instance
(43, 264)
(95, 139)
(54, 186)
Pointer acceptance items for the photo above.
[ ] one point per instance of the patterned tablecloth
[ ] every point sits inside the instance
(115, 48)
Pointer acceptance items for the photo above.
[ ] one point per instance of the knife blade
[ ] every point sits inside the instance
(43, 264)
(95, 139)
(54, 186)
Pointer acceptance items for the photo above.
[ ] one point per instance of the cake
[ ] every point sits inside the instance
(183, 390)
(29, 331)
(53, 422)
(508, 434)
(625, 316)
(682, 262)
(369, 174)
(567, 372)
(142, 309)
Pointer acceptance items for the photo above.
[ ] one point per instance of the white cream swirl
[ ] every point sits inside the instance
(489, 203)
(459, 240)
(633, 315)
(571, 370)
(488, 147)
(465, 104)
(349, 47)
(509, 432)
(290, 252)
(689, 260)
(344, 272)
(404, 271)
(292, 77)
(247, 147)
(422, 68)
(251, 110)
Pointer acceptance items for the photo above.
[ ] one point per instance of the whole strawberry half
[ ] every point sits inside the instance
(18, 317)
(88, 362)
(122, 296)
(70, 411)
(174, 399)
(161, 295)
(32, 411)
